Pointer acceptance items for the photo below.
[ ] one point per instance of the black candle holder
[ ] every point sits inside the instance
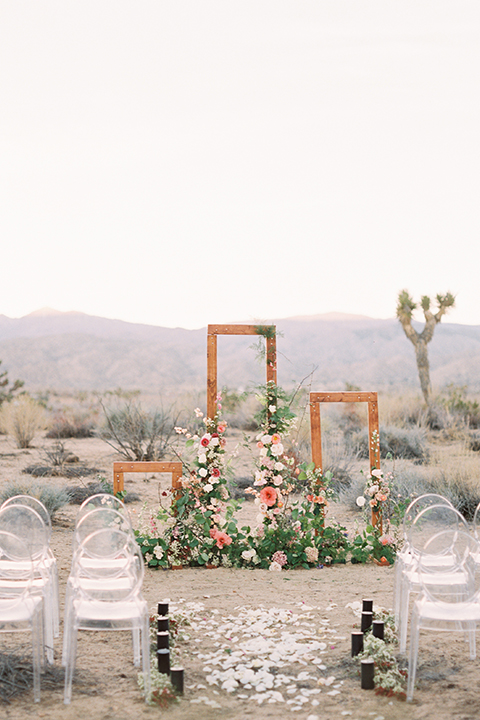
(367, 674)
(357, 643)
(163, 624)
(367, 605)
(162, 608)
(378, 629)
(367, 619)
(163, 640)
(163, 661)
(176, 678)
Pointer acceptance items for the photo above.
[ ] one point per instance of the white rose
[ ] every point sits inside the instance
(279, 466)
(272, 408)
(208, 487)
(275, 566)
(203, 472)
(360, 501)
(214, 441)
(202, 458)
(377, 473)
(277, 449)
(266, 439)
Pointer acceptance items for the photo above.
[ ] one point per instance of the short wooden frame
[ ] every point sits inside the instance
(119, 468)
(316, 398)
(213, 331)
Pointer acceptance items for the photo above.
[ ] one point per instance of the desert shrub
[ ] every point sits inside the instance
(139, 434)
(405, 443)
(74, 425)
(458, 485)
(51, 496)
(457, 404)
(22, 418)
(79, 493)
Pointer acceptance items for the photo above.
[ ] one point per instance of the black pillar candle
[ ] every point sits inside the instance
(163, 624)
(378, 629)
(367, 605)
(357, 643)
(176, 678)
(163, 661)
(367, 618)
(162, 608)
(367, 674)
(163, 641)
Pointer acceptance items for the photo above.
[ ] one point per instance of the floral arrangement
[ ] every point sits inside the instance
(377, 490)
(194, 528)
(274, 473)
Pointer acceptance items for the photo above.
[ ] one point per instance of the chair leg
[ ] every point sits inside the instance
(413, 654)
(145, 637)
(37, 649)
(71, 656)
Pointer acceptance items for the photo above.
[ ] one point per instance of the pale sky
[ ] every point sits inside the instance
(185, 162)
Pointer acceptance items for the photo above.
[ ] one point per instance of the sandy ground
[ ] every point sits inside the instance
(448, 682)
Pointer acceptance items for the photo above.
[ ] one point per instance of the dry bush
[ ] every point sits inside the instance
(51, 496)
(22, 418)
(71, 425)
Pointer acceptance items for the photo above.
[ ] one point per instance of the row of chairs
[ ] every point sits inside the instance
(103, 589)
(439, 563)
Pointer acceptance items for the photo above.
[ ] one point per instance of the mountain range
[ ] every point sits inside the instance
(71, 351)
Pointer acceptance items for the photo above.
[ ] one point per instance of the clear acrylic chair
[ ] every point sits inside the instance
(107, 597)
(21, 609)
(407, 555)
(441, 610)
(50, 560)
(26, 523)
(446, 575)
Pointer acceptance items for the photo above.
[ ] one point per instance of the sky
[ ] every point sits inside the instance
(185, 162)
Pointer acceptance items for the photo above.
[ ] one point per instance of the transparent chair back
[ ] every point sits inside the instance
(103, 500)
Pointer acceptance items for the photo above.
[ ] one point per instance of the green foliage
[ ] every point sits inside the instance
(7, 389)
(54, 498)
(457, 403)
(275, 414)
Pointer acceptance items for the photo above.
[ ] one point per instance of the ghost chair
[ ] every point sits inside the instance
(437, 609)
(407, 554)
(107, 597)
(50, 560)
(25, 522)
(447, 576)
(21, 608)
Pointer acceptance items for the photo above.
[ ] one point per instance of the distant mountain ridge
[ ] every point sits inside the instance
(75, 351)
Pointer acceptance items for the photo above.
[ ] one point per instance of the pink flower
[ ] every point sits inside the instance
(276, 438)
(205, 441)
(222, 539)
(268, 495)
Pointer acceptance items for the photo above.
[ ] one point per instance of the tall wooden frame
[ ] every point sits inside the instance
(316, 398)
(120, 468)
(213, 332)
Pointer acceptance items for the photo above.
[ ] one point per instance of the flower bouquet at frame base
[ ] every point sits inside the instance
(197, 524)
(378, 541)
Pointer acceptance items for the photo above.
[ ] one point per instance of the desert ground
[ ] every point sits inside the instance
(301, 606)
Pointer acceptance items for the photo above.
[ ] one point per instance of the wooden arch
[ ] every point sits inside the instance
(268, 331)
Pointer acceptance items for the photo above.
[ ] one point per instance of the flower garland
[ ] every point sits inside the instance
(274, 473)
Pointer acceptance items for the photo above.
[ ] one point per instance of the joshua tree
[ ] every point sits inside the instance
(405, 308)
